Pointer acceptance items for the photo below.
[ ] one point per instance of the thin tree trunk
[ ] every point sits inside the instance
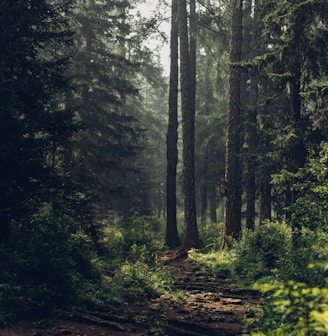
(297, 152)
(251, 33)
(172, 237)
(251, 159)
(212, 202)
(265, 199)
(191, 238)
(203, 189)
(232, 201)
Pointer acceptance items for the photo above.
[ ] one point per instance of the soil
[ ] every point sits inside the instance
(203, 305)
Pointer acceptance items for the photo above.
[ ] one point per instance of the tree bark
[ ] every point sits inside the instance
(191, 238)
(232, 201)
(172, 238)
(203, 188)
(212, 202)
(252, 118)
(251, 158)
(297, 150)
(265, 199)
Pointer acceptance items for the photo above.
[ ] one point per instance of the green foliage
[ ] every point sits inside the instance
(132, 255)
(46, 266)
(138, 231)
(210, 236)
(141, 272)
(311, 207)
(51, 263)
(312, 249)
(261, 251)
(218, 262)
(294, 308)
(35, 122)
(109, 109)
(141, 278)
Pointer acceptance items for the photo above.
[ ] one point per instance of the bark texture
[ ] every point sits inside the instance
(191, 238)
(232, 203)
(172, 238)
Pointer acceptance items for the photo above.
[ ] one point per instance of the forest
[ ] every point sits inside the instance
(152, 193)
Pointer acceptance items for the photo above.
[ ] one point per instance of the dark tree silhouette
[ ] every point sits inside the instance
(172, 237)
(232, 183)
(191, 238)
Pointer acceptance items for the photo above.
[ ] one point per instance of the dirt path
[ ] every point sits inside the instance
(204, 305)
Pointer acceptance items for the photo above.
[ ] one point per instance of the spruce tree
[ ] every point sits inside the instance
(35, 124)
(106, 149)
(296, 62)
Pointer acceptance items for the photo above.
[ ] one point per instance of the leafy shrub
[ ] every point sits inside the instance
(143, 279)
(135, 268)
(218, 262)
(261, 251)
(47, 262)
(211, 236)
(137, 232)
(117, 240)
(311, 207)
(142, 275)
(312, 249)
(294, 309)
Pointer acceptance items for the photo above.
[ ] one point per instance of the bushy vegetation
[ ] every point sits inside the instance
(286, 261)
(293, 281)
(52, 264)
(210, 236)
(294, 308)
(47, 263)
(261, 251)
(137, 267)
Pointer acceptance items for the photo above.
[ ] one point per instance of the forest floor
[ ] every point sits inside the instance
(203, 305)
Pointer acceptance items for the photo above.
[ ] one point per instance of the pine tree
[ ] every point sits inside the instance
(35, 124)
(210, 106)
(106, 150)
(296, 61)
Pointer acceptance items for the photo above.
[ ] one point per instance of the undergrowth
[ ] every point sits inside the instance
(51, 264)
(293, 280)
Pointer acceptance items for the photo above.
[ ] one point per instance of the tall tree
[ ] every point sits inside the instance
(172, 237)
(191, 238)
(251, 21)
(296, 61)
(107, 147)
(35, 124)
(232, 187)
(211, 101)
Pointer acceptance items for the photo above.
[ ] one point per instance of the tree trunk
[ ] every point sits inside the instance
(251, 158)
(191, 238)
(265, 199)
(212, 202)
(255, 37)
(203, 189)
(172, 237)
(297, 152)
(232, 201)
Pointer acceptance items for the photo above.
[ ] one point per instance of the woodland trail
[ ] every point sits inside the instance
(204, 306)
